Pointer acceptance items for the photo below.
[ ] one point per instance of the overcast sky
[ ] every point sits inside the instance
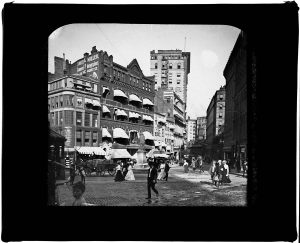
(209, 45)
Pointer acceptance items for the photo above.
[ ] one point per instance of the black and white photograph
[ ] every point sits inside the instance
(175, 104)
(150, 122)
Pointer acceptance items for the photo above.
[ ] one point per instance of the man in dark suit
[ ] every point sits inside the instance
(151, 180)
(167, 168)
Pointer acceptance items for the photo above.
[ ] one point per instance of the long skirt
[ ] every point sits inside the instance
(186, 168)
(129, 176)
(161, 175)
(119, 176)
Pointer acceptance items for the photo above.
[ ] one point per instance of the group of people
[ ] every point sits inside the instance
(124, 171)
(196, 163)
(163, 170)
(219, 172)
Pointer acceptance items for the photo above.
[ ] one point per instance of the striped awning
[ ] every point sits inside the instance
(120, 154)
(148, 135)
(120, 112)
(147, 118)
(133, 115)
(146, 101)
(91, 150)
(120, 93)
(119, 133)
(105, 133)
(133, 97)
(105, 109)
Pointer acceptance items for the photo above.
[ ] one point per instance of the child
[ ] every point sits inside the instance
(78, 190)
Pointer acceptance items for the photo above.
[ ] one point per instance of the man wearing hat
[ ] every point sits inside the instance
(151, 179)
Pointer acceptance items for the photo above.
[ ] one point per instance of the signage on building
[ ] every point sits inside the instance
(88, 66)
(68, 136)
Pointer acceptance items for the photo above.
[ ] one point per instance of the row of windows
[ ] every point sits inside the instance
(165, 66)
(167, 57)
(125, 118)
(63, 118)
(83, 138)
(73, 83)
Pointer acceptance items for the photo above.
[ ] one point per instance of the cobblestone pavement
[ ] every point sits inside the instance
(182, 189)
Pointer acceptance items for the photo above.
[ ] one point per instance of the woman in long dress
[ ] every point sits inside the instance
(186, 166)
(162, 171)
(119, 176)
(129, 176)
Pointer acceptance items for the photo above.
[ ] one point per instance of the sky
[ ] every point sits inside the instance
(209, 45)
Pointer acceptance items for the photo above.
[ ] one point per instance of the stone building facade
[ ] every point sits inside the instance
(235, 130)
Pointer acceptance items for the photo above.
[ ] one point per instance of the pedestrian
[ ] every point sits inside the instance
(161, 171)
(119, 176)
(212, 169)
(81, 172)
(201, 164)
(185, 166)
(151, 180)
(245, 167)
(124, 168)
(78, 190)
(194, 164)
(72, 174)
(130, 176)
(216, 174)
(167, 168)
(225, 172)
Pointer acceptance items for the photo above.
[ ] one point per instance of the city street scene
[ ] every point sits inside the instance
(147, 115)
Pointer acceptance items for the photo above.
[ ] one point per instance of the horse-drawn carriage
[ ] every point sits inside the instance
(99, 166)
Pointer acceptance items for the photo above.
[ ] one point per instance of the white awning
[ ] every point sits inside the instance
(88, 101)
(156, 143)
(91, 150)
(146, 101)
(163, 144)
(162, 120)
(96, 103)
(120, 133)
(133, 97)
(105, 133)
(148, 135)
(133, 115)
(120, 112)
(120, 154)
(168, 147)
(105, 109)
(147, 118)
(120, 93)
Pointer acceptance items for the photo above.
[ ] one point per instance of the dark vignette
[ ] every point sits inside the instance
(272, 31)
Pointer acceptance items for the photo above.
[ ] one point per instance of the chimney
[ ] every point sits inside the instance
(85, 55)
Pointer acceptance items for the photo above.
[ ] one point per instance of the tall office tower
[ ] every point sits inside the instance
(171, 69)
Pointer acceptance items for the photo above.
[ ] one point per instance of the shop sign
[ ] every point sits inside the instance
(88, 66)
(68, 136)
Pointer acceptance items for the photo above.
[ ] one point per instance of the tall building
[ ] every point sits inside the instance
(167, 102)
(201, 128)
(191, 126)
(171, 69)
(215, 116)
(235, 73)
(124, 95)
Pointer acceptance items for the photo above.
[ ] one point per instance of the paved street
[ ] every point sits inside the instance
(182, 189)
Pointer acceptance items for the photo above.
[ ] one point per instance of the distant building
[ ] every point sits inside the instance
(167, 102)
(171, 69)
(201, 128)
(215, 120)
(191, 129)
(235, 73)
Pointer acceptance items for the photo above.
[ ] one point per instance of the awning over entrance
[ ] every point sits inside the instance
(96, 103)
(148, 135)
(120, 93)
(105, 133)
(133, 97)
(146, 101)
(120, 154)
(120, 133)
(90, 150)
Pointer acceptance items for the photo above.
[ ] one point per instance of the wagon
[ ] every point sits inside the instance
(99, 166)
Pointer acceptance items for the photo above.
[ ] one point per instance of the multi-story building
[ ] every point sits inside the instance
(215, 117)
(74, 106)
(125, 95)
(171, 69)
(159, 127)
(169, 103)
(235, 73)
(201, 128)
(191, 126)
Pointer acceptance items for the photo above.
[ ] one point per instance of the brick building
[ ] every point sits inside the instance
(235, 130)
(125, 95)
(215, 117)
